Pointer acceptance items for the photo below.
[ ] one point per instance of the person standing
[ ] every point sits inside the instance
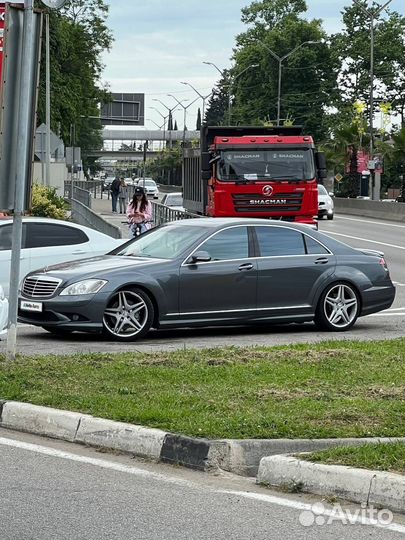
(115, 189)
(139, 210)
(123, 196)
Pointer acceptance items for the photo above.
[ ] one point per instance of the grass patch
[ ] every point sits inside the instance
(381, 456)
(331, 389)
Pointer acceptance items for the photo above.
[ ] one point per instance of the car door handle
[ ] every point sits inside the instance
(78, 252)
(322, 260)
(246, 266)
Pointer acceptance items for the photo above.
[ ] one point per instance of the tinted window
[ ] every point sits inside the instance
(6, 232)
(229, 244)
(322, 190)
(278, 241)
(50, 234)
(314, 247)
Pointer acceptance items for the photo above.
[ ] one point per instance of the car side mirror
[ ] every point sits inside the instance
(331, 194)
(199, 256)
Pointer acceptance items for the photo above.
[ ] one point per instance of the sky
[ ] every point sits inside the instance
(159, 43)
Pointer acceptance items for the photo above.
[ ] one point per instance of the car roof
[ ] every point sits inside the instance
(35, 219)
(220, 222)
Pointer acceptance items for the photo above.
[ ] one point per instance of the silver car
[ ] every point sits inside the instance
(325, 203)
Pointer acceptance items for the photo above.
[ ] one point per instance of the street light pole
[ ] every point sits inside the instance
(231, 84)
(170, 115)
(47, 105)
(373, 14)
(185, 107)
(280, 60)
(201, 96)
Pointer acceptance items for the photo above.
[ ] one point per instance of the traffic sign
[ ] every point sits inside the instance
(338, 177)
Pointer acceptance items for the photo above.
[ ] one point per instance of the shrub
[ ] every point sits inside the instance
(46, 203)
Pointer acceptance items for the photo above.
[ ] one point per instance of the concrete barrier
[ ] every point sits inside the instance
(390, 211)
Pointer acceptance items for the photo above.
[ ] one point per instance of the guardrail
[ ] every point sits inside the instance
(391, 211)
(163, 214)
(95, 187)
(83, 215)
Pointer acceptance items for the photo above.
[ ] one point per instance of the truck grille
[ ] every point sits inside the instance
(256, 202)
(40, 286)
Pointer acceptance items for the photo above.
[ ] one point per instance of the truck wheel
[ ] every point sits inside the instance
(338, 307)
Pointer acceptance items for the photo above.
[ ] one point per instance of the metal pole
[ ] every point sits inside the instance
(23, 143)
(279, 92)
(48, 105)
(229, 101)
(372, 171)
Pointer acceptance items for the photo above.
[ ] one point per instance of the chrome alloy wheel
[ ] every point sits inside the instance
(128, 314)
(341, 306)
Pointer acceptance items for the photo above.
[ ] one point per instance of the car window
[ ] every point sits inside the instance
(322, 190)
(228, 244)
(279, 241)
(314, 247)
(6, 233)
(52, 234)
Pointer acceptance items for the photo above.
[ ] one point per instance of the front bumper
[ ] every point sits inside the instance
(83, 312)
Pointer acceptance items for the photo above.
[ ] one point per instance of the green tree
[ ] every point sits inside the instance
(217, 109)
(198, 123)
(78, 36)
(308, 75)
(351, 47)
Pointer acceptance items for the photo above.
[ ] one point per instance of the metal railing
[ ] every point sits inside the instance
(163, 214)
(95, 187)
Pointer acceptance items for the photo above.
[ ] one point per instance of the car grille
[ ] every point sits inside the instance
(40, 286)
(255, 202)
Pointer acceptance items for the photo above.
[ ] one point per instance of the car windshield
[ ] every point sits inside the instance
(322, 190)
(161, 243)
(174, 200)
(277, 164)
(147, 182)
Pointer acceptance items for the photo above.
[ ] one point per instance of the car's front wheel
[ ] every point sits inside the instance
(338, 307)
(330, 216)
(128, 315)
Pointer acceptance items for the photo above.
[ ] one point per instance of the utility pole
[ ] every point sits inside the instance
(48, 105)
(373, 14)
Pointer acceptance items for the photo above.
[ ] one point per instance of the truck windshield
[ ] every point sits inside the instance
(276, 164)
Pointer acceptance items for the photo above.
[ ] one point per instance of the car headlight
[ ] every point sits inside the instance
(88, 286)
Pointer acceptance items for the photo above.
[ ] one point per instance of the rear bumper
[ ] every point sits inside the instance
(377, 299)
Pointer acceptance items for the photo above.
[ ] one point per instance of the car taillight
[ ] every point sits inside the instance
(383, 263)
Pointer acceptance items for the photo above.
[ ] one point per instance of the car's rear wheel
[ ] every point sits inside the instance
(128, 315)
(338, 307)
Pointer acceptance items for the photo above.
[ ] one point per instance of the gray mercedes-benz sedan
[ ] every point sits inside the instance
(210, 271)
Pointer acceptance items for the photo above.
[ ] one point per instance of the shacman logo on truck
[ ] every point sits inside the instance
(267, 190)
(267, 202)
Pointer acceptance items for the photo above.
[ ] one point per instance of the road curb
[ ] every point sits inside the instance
(240, 457)
(378, 488)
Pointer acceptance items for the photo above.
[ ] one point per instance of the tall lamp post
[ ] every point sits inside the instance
(280, 60)
(231, 83)
(185, 107)
(204, 98)
(373, 14)
(170, 115)
(53, 4)
(164, 120)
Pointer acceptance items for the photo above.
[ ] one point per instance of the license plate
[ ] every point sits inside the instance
(31, 306)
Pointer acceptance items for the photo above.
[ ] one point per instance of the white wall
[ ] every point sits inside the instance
(59, 174)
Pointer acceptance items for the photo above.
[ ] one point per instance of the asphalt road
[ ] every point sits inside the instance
(357, 232)
(52, 490)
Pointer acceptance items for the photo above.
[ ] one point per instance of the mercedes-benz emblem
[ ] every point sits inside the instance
(267, 190)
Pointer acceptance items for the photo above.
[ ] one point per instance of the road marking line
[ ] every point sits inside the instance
(374, 222)
(387, 314)
(398, 284)
(280, 501)
(305, 506)
(362, 239)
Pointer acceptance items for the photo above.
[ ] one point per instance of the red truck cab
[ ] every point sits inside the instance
(259, 172)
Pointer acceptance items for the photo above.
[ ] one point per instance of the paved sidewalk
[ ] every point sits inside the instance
(102, 207)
